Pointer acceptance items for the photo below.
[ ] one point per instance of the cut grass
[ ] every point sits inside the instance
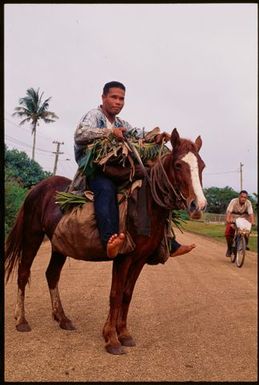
(216, 231)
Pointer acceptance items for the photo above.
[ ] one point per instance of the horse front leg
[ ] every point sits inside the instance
(124, 336)
(119, 274)
(53, 274)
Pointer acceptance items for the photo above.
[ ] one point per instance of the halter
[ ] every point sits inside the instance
(164, 186)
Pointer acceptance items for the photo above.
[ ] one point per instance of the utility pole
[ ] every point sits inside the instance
(241, 176)
(57, 153)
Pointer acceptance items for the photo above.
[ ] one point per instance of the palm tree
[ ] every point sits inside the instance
(33, 109)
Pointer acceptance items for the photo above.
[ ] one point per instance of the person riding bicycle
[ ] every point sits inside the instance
(238, 207)
(95, 124)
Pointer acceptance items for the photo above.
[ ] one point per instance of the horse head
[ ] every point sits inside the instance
(186, 173)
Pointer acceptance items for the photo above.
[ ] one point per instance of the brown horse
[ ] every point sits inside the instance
(175, 183)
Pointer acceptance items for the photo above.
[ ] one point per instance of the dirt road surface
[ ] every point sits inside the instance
(193, 319)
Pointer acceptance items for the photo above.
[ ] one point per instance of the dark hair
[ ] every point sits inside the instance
(243, 192)
(112, 84)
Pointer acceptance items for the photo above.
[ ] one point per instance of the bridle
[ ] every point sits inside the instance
(163, 191)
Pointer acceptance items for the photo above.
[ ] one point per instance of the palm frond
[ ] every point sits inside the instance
(49, 115)
(29, 104)
(32, 106)
(42, 108)
(47, 120)
(33, 94)
(26, 120)
(21, 111)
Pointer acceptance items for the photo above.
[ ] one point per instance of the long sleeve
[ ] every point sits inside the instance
(85, 134)
(91, 127)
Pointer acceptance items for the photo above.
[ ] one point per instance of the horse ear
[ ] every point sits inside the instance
(198, 143)
(175, 138)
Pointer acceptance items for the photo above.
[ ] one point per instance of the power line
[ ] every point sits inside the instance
(17, 141)
(38, 133)
(221, 173)
(20, 143)
(27, 129)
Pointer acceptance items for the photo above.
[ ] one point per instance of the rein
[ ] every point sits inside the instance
(162, 189)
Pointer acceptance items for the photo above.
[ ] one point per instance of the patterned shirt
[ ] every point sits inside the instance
(94, 125)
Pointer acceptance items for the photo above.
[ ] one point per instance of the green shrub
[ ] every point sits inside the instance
(14, 197)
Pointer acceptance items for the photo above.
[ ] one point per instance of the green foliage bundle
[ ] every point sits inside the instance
(109, 149)
(67, 200)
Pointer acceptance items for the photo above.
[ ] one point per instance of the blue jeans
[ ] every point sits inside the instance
(105, 205)
(174, 245)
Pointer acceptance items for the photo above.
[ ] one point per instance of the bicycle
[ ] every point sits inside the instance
(238, 250)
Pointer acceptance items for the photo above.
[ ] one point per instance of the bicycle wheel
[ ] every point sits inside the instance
(233, 253)
(241, 251)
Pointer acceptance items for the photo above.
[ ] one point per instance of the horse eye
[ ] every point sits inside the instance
(178, 166)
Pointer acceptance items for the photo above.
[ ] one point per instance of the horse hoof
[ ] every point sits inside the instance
(116, 350)
(23, 327)
(66, 324)
(127, 341)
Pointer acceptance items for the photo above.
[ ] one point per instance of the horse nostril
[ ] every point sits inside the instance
(193, 206)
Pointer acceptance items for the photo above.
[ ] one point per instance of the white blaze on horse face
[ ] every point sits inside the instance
(191, 160)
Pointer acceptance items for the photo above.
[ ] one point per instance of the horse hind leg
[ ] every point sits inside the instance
(30, 247)
(53, 274)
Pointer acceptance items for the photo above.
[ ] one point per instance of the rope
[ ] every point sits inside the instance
(163, 192)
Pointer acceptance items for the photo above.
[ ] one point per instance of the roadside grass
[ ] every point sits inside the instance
(216, 231)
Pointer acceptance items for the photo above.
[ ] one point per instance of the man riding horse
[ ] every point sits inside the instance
(96, 124)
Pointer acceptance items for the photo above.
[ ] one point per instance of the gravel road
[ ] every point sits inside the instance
(193, 319)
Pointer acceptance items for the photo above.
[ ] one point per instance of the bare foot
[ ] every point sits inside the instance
(183, 249)
(114, 244)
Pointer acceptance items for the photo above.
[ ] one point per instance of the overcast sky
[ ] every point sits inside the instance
(189, 66)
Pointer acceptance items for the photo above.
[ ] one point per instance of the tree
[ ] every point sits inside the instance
(14, 197)
(255, 202)
(219, 198)
(21, 173)
(33, 109)
(24, 170)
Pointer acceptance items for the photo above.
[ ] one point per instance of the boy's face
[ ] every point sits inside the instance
(242, 198)
(113, 102)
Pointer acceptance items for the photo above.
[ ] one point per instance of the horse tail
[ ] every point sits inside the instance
(13, 244)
